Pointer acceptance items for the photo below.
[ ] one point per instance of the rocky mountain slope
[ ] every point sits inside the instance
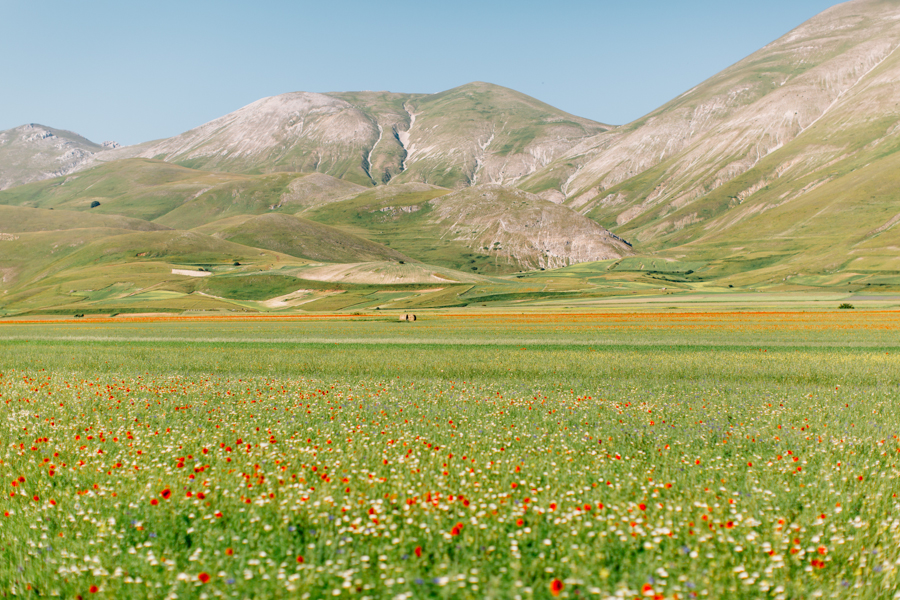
(643, 178)
(483, 133)
(477, 133)
(522, 229)
(34, 152)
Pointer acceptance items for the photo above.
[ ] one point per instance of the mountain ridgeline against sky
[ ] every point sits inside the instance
(780, 170)
(34, 152)
(477, 133)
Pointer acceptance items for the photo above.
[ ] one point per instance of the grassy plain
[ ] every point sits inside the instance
(616, 454)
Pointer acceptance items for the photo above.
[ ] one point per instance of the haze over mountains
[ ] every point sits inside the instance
(779, 171)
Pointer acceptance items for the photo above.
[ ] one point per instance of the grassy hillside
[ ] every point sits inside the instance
(19, 219)
(177, 196)
(400, 216)
(300, 238)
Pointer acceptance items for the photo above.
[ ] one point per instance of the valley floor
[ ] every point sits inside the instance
(592, 452)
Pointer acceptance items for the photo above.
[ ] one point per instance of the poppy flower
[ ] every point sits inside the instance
(93, 589)
(418, 551)
(203, 577)
(166, 494)
(556, 586)
(300, 560)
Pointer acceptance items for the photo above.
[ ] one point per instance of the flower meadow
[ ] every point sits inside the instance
(246, 470)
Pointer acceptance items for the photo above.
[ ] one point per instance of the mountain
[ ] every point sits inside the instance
(817, 95)
(476, 133)
(483, 133)
(34, 152)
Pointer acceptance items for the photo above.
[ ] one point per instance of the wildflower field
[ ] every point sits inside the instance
(643, 455)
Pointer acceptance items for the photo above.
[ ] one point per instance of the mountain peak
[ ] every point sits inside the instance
(33, 152)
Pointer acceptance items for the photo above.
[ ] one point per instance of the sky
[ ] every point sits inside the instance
(136, 71)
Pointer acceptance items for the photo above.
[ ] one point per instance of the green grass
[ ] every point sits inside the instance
(397, 458)
(303, 238)
(250, 287)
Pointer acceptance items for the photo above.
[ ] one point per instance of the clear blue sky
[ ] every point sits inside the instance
(134, 71)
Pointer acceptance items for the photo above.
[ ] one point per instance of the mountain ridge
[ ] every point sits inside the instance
(33, 152)
(370, 138)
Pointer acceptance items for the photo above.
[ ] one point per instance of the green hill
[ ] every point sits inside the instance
(301, 238)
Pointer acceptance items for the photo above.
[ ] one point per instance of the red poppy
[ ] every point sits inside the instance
(93, 589)
(229, 551)
(154, 501)
(556, 586)
(418, 551)
(203, 577)
(300, 560)
(166, 494)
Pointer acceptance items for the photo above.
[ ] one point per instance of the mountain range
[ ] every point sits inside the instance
(779, 173)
